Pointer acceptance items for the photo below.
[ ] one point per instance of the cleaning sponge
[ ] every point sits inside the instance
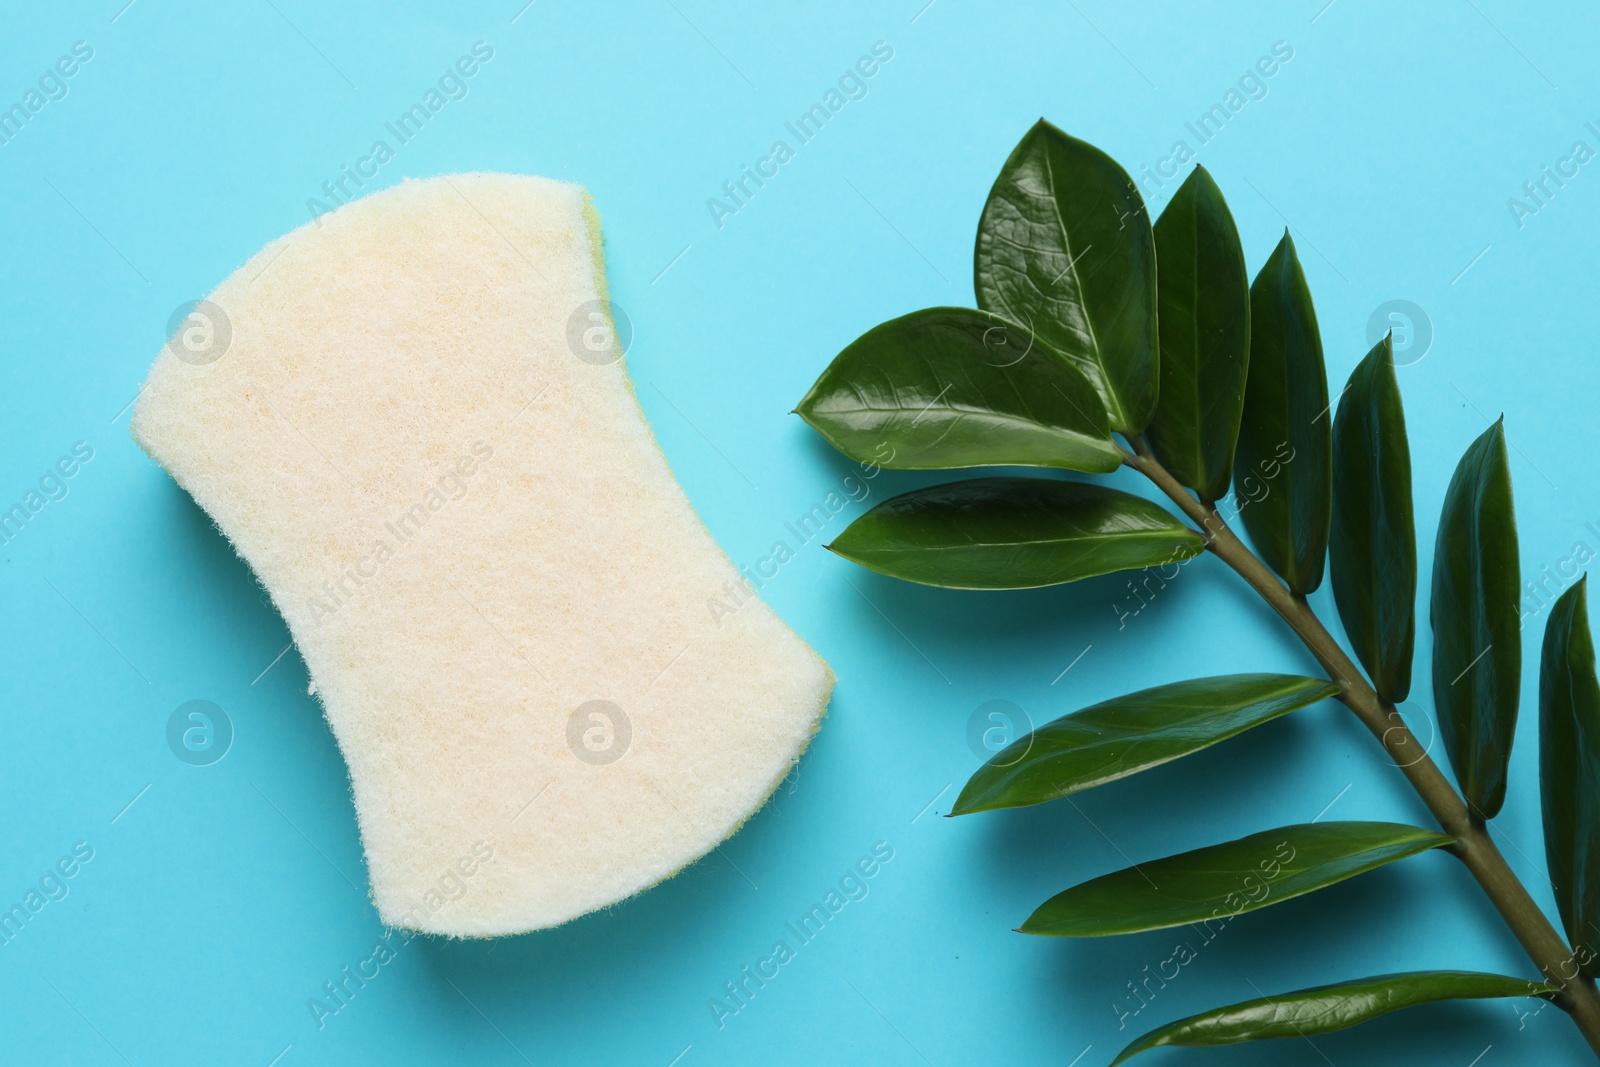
(412, 420)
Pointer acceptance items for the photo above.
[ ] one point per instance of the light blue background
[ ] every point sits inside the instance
(223, 898)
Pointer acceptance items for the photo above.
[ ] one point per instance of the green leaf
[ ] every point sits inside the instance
(1064, 248)
(1373, 551)
(1132, 733)
(1569, 769)
(1014, 533)
(1213, 884)
(1477, 622)
(1326, 1008)
(1203, 295)
(1282, 474)
(952, 387)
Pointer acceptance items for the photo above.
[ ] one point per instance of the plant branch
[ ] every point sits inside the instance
(1474, 847)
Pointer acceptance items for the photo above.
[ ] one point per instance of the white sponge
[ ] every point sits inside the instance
(410, 418)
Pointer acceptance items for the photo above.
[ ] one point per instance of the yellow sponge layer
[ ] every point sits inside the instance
(410, 419)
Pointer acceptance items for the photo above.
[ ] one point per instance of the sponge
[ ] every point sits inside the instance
(411, 418)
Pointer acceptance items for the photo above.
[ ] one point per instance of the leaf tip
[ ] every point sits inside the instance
(964, 805)
(1379, 359)
(1579, 595)
(1284, 252)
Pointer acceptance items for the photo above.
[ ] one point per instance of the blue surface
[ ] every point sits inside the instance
(220, 902)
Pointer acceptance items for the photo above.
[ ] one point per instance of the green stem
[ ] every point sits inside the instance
(1474, 847)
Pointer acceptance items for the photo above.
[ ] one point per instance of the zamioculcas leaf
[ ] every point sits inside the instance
(1203, 295)
(1212, 885)
(1373, 551)
(1014, 533)
(1064, 248)
(1569, 770)
(1324, 1009)
(952, 387)
(1281, 471)
(1129, 734)
(1477, 622)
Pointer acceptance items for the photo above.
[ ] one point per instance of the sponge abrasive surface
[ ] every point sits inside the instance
(474, 539)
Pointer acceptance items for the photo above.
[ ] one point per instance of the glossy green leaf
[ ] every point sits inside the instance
(1477, 622)
(1282, 474)
(1064, 248)
(1014, 533)
(1203, 298)
(1212, 885)
(1132, 733)
(1327, 1008)
(953, 387)
(1569, 770)
(1372, 557)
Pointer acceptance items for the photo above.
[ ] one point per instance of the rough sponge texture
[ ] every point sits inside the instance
(473, 537)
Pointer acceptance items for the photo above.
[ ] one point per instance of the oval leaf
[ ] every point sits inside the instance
(952, 387)
(1212, 885)
(1373, 552)
(1569, 769)
(1064, 248)
(1477, 622)
(1014, 533)
(1326, 1008)
(1203, 299)
(1282, 474)
(1132, 733)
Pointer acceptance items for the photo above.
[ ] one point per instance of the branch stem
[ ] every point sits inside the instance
(1474, 847)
